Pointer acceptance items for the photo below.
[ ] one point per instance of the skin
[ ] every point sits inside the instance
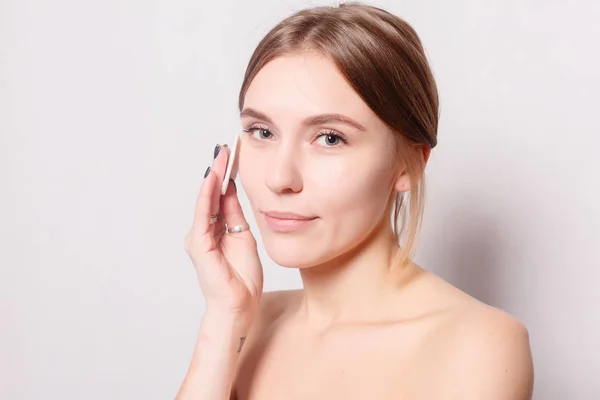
(359, 328)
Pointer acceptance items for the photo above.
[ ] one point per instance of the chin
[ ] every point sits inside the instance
(292, 253)
(289, 256)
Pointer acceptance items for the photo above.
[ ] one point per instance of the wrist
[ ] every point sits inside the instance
(220, 324)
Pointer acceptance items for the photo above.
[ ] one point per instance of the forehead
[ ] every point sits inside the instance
(293, 87)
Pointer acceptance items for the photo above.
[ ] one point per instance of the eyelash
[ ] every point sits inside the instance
(328, 132)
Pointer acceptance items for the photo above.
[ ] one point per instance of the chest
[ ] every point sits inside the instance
(348, 365)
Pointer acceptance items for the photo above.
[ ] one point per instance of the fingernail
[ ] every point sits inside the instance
(225, 145)
(207, 172)
(217, 149)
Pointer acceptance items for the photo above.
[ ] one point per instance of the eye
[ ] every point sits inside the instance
(331, 138)
(262, 132)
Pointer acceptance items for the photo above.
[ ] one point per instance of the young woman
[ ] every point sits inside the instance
(340, 112)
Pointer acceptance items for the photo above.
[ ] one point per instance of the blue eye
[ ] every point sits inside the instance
(332, 138)
(256, 128)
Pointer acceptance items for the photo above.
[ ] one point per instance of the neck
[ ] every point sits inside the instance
(353, 287)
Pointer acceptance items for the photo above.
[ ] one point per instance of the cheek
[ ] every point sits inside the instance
(344, 190)
(250, 172)
(350, 187)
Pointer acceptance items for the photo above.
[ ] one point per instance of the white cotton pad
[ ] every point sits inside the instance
(232, 164)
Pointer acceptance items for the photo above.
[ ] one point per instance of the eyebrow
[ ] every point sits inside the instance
(309, 121)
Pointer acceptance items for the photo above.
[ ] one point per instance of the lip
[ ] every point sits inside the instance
(285, 222)
(287, 215)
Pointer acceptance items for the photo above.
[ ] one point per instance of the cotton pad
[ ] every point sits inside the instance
(232, 164)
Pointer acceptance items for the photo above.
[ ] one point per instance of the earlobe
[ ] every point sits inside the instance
(402, 183)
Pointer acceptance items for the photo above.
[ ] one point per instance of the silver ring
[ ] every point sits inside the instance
(214, 218)
(237, 228)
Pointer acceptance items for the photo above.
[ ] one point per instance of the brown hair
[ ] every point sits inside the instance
(382, 58)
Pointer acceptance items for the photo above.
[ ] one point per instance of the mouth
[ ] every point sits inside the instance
(284, 222)
(287, 215)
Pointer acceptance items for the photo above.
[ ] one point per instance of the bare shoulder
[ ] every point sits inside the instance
(488, 356)
(484, 352)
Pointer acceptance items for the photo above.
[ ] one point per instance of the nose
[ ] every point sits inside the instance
(283, 172)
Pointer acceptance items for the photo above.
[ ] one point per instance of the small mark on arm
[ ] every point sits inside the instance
(242, 340)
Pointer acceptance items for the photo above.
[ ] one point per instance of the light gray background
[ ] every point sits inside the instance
(109, 112)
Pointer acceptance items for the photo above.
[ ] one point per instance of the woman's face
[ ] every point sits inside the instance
(338, 173)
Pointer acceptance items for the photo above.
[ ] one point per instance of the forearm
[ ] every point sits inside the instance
(212, 368)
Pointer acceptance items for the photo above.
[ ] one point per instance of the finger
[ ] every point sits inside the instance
(231, 209)
(206, 205)
(203, 205)
(218, 168)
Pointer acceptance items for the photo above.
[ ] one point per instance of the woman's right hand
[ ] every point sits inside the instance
(228, 267)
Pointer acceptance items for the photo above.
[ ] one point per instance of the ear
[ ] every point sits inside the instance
(402, 183)
(426, 154)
